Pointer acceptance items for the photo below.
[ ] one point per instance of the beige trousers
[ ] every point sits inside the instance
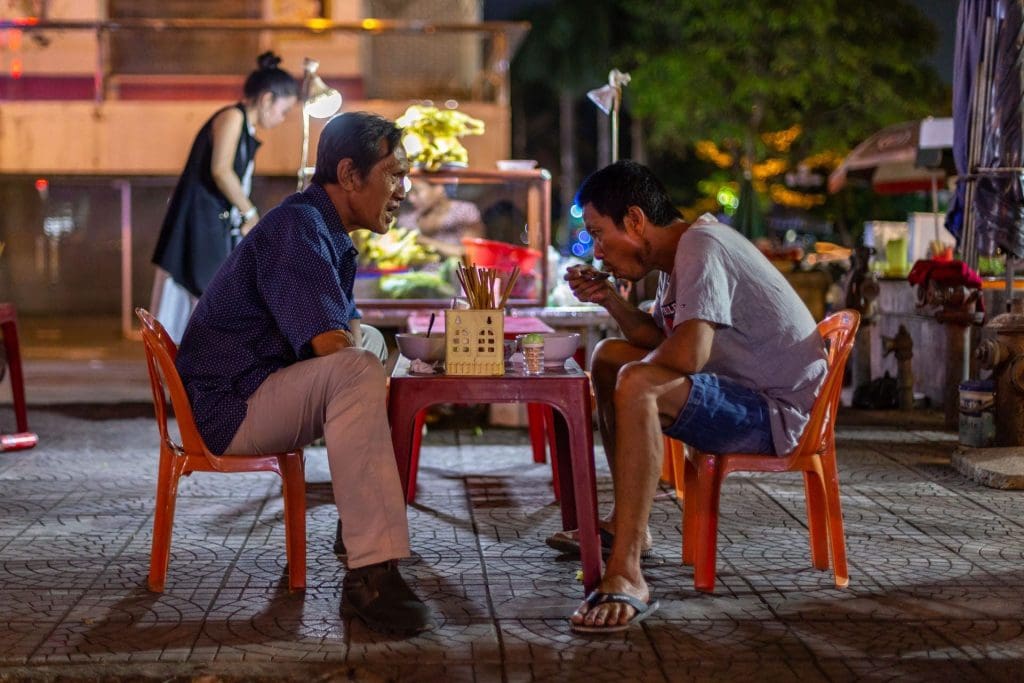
(342, 398)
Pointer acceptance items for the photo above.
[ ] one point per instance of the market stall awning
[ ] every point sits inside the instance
(901, 158)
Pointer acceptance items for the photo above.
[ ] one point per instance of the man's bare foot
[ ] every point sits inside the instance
(613, 614)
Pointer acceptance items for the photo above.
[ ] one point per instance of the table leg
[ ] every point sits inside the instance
(402, 417)
(575, 441)
(535, 422)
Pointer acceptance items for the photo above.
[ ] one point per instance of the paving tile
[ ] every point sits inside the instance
(935, 562)
(462, 643)
(724, 639)
(923, 601)
(902, 640)
(985, 639)
(551, 640)
(918, 670)
(126, 626)
(19, 639)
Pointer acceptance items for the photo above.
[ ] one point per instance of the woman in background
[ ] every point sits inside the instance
(210, 210)
(441, 220)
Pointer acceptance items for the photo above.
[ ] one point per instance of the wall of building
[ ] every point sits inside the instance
(153, 138)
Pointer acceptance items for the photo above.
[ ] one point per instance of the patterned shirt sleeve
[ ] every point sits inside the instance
(299, 281)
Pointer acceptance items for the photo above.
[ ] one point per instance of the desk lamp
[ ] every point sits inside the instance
(319, 100)
(607, 99)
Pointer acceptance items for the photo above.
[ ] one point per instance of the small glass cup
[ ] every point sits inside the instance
(533, 358)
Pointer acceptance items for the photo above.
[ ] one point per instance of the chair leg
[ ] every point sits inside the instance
(814, 490)
(709, 483)
(834, 513)
(293, 488)
(689, 511)
(163, 519)
(13, 350)
(676, 453)
(667, 473)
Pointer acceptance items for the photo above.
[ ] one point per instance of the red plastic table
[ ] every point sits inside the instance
(537, 416)
(23, 438)
(567, 391)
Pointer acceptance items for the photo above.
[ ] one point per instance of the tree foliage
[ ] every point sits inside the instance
(731, 71)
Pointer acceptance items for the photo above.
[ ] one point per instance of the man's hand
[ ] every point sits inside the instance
(589, 284)
(332, 341)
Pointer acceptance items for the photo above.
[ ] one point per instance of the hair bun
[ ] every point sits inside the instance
(268, 60)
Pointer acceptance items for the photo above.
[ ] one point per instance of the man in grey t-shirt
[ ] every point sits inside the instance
(730, 361)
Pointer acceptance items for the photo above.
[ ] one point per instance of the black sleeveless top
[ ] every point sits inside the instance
(195, 236)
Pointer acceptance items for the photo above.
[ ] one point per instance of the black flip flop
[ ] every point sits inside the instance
(571, 546)
(643, 610)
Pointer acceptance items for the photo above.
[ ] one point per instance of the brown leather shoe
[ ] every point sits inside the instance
(379, 596)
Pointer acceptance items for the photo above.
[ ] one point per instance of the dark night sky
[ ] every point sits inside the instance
(943, 15)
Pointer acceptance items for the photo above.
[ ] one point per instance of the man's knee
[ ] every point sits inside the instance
(609, 357)
(355, 367)
(634, 381)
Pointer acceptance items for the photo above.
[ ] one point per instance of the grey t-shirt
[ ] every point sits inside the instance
(765, 337)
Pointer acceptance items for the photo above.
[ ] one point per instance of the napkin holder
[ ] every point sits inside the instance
(474, 341)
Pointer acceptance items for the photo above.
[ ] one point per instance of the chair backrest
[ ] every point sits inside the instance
(839, 331)
(165, 381)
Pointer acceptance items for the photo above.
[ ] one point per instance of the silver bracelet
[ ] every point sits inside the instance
(250, 214)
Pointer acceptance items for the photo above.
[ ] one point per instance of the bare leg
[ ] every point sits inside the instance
(646, 397)
(609, 357)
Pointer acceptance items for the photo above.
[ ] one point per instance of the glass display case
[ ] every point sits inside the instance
(496, 219)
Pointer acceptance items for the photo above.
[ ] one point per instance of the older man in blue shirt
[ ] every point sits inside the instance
(274, 355)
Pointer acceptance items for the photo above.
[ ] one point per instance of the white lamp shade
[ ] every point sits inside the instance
(603, 97)
(325, 104)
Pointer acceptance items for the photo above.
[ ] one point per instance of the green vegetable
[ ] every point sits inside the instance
(533, 338)
(415, 285)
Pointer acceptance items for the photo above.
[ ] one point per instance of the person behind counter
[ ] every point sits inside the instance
(274, 356)
(730, 361)
(210, 209)
(441, 220)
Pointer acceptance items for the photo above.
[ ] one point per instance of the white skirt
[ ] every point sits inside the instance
(171, 304)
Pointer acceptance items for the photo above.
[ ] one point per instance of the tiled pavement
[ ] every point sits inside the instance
(936, 591)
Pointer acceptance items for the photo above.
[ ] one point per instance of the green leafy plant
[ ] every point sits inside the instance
(432, 135)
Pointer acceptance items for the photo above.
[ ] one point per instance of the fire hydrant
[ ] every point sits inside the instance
(956, 310)
(902, 346)
(1005, 356)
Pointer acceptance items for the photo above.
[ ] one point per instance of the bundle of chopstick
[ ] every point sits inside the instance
(478, 283)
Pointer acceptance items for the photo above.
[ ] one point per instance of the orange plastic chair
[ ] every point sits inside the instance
(193, 456)
(814, 455)
(673, 466)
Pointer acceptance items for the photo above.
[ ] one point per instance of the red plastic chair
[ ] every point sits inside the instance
(814, 455)
(22, 438)
(193, 456)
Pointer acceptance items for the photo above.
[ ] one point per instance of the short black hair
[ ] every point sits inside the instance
(356, 136)
(270, 78)
(615, 188)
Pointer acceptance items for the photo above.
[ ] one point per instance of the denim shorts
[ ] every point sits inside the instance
(723, 416)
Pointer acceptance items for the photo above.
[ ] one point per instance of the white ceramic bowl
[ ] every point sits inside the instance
(516, 164)
(418, 345)
(558, 347)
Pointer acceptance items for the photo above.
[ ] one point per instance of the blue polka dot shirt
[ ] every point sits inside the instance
(288, 281)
